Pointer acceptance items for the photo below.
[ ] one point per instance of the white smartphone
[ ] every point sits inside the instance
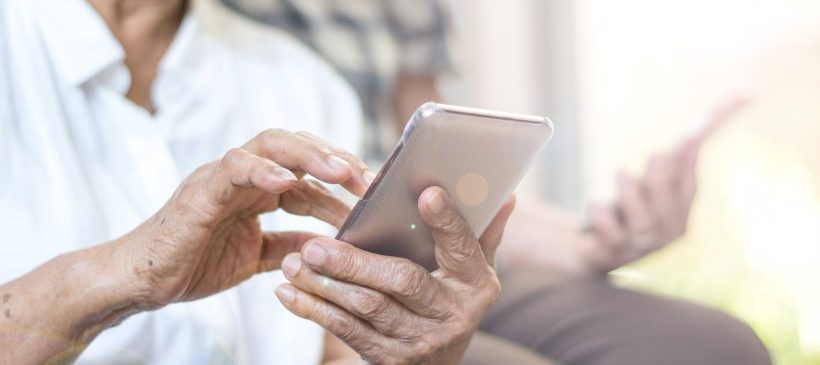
(477, 156)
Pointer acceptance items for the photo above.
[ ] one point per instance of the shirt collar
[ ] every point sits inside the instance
(178, 54)
(82, 46)
(181, 58)
(181, 68)
(79, 42)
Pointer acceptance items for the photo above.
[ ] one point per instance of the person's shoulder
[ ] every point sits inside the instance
(252, 41)
(273, 69)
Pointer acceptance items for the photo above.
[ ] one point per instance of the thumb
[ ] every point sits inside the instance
(277, 245)
(458, 251)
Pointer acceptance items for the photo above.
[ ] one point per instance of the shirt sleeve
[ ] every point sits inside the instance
(421, 28)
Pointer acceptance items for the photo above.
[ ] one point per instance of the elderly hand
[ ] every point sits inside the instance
(651, 212)
(207, 238)
(391, 310)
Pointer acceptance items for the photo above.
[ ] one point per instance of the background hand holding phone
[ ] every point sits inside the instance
(651, 211)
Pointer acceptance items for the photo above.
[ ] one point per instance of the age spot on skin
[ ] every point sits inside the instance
(7, 313)
(6, 298)
(162, 221)
(150, 262)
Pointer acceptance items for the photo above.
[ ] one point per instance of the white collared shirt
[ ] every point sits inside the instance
(80, 164)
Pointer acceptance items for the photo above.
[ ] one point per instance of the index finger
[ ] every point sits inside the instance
(361, 172)
(718, 118)
(316, 158)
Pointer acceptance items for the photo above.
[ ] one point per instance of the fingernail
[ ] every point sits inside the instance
(291, 265)
(369, 177)
(315, 254)
(285, 294)
(338, 163)
(436, 203)
(284, 174)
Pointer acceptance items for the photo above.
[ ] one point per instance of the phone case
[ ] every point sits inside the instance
(477, 156)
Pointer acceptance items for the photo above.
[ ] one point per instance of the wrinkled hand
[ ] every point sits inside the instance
(653, 211)
(391, 310)
(207, 237)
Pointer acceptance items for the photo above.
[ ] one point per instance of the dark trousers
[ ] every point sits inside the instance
(590, 322)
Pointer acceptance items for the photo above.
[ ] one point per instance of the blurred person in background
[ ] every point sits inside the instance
(557, 304)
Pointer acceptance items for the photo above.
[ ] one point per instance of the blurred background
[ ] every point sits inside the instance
(624, 79)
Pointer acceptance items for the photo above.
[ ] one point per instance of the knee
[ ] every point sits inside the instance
(591, 322)
(680, 332)
(732, 341)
